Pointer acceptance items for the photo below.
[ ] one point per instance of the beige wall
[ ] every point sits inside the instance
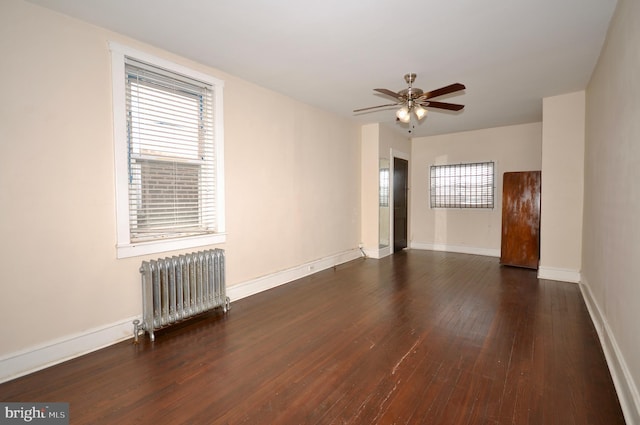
(392, 140)
(611, 231)
(370, 135)
(513, 148)
(292, 182)
(562, 186)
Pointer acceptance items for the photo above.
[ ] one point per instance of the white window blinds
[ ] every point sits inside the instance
(462, 185)
(171, 153)
(384, 187)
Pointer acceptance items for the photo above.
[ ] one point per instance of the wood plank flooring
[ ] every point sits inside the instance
(420, 337)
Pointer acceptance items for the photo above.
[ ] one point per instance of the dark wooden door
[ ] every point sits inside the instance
(400, 195)
(521, 219)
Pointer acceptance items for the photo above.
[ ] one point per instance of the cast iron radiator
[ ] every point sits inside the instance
(180, 287)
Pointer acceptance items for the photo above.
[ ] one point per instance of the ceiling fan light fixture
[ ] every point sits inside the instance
(403, 114)
(420, 112)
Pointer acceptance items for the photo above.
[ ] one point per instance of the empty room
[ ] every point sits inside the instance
(280, 212)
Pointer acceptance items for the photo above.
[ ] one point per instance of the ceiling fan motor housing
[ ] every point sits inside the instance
(410, 94)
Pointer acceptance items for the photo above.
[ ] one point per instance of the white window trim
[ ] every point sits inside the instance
(124, 247)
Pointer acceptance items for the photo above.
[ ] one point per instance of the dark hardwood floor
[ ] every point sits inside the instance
(416, 338)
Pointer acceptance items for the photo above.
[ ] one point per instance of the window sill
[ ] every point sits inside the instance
(154, 247)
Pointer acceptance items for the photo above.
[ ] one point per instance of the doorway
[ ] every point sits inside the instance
(400, 201)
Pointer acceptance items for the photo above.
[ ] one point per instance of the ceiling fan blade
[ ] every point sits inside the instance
(389, 93)
(443, 90)
(442, 105)
(375, 107)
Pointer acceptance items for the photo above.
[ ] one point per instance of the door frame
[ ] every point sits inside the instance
(401, 155)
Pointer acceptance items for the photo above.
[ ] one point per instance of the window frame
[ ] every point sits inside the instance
(459, 203)
(124, 247)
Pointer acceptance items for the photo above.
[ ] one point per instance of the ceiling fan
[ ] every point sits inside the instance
(414, 99)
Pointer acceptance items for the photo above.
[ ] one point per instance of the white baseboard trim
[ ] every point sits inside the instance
(626, 389)
(488, 252)
(378, 253)
(562, 275)
(57, 351)
(264, 283)
(51, 353)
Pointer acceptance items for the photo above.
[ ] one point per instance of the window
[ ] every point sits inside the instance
(462, 185)
(168, 145)
(384, 187)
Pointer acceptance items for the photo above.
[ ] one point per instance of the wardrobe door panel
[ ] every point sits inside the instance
(520, 245)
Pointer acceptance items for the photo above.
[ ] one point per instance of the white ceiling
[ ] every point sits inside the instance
(332, 53)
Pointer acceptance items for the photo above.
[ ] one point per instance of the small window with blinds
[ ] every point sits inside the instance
(462, 185)
(169, 144)
(384, 187)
